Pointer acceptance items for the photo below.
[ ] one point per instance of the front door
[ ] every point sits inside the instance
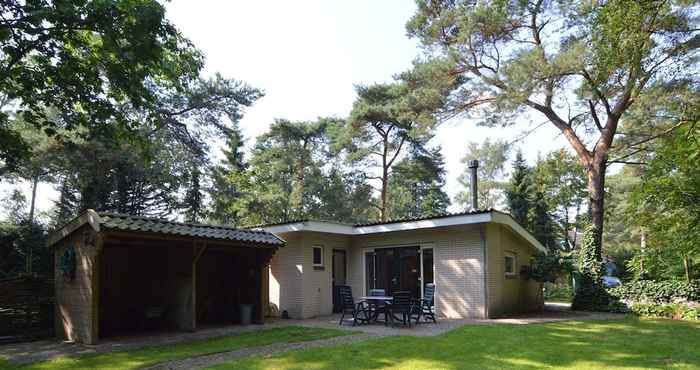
(393, 269)
(339, 276)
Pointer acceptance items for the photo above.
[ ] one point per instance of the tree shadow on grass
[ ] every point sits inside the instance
(657, 344)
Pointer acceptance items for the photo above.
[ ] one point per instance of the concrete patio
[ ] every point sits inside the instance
(50, 349)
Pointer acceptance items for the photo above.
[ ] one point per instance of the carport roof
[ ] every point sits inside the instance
(121, 222)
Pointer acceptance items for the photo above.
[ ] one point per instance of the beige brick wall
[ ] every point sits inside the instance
(459, 261)
(76, 300)
(295, 284)
(458, 256)
(508, 295)
(285, 277)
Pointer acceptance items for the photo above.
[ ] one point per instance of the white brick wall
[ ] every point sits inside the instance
(459, 277)
(286, 270)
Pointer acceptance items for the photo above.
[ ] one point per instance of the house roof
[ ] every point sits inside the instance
(121, 222)
(441, 220)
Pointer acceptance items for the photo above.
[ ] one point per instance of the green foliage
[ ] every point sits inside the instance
(23, 243)
(225, 190)
(657, 292)
(666, 202)
(557, 293)
(541, 224)
(562, 182)
(384, 122)
(416, 183)
(546, 268)
(292, 173)
(492, 157)
(518, 189)
(590, 293)
(676, 311)
(86, 59)
(584, 66)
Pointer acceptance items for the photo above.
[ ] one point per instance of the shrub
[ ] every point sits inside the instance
(677, 311)
(658, 292)
(590, 294)
(558, 293)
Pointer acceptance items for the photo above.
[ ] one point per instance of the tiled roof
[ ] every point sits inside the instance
(112, 221)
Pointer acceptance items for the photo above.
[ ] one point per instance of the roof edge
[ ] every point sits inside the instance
(88, 217)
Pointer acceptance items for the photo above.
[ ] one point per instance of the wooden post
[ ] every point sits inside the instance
(99, 243)
(198, 251)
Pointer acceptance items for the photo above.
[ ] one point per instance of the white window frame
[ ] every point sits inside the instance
(515, 264)
(323, 259)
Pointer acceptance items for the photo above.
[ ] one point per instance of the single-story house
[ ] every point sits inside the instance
(477, 260)
(118, 274)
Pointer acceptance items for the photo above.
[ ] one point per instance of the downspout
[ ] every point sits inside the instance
(482, 233)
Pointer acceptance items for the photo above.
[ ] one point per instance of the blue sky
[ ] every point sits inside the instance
(308, 55)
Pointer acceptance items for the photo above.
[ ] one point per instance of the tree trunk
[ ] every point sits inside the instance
(642, 247)
(596, 199)
(686, 267)
(385, 179)
(30, 223)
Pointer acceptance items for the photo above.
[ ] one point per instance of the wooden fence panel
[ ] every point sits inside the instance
(26, 308)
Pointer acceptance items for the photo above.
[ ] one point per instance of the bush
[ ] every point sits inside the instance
(558, 293)
(676, 311)
(657, 292)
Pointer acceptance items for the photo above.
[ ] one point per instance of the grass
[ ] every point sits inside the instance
(630, 343)
(153, 355)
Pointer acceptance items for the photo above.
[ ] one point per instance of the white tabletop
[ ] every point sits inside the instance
(377, 298)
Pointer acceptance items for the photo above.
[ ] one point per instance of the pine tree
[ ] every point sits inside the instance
(193, 203)
(540, 222)
(518, 192)
(225, 189)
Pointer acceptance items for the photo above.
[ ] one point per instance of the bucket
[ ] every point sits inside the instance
(246, 311)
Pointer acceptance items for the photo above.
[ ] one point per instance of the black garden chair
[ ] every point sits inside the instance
(424, 307)
(401, 308)
(377, 308)
(358, 310)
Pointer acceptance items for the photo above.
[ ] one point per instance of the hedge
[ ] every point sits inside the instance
(657, 292)
(677, 311)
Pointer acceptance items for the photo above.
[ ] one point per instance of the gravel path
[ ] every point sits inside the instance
(200, 362)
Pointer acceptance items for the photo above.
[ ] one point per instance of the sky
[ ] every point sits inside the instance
(308, 55)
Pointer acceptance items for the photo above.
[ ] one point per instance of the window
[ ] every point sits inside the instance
(510, 264)
(317, 255)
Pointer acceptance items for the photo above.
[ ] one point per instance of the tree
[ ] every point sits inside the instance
(518, 192)
(224, 190)
(540, 222)
(581, 66)
(668, 197)
(382, 124)
(563, 183)
(84, 59)
(416, 185)
(193, 202)
(22, 242)
(492, 157)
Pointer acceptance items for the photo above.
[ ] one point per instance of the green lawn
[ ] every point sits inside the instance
(149, 356)
(628, 343)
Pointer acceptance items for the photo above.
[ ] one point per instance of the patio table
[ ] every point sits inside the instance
(375, 300)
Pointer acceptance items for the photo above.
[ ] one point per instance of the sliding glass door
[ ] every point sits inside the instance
(397, 269)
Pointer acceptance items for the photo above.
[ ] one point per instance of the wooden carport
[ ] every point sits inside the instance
(118, 274)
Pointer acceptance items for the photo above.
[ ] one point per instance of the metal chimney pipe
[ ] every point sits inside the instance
(473, 166)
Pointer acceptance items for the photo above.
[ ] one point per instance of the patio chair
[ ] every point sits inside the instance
(424, 306)
(401, 308)
(358, 310)
(377, 308)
